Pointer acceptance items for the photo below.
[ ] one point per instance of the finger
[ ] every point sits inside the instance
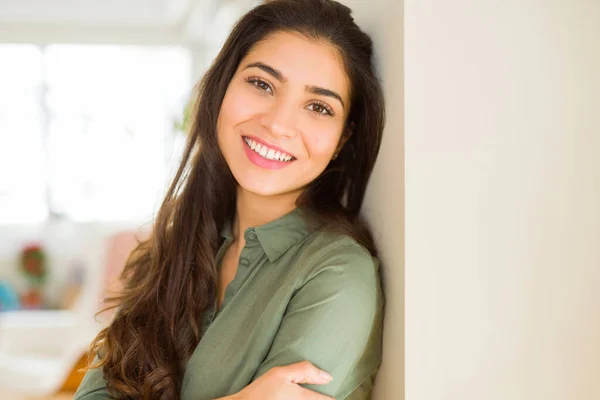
(306, 394)
(305, 372)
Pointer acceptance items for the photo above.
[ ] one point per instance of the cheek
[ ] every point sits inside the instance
(237, 106)
(321, 140)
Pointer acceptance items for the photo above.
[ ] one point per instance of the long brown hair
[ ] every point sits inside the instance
(171, 278)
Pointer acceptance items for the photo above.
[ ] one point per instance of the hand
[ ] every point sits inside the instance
(282, 383)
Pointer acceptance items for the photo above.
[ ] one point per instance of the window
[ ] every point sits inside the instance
(88, 131)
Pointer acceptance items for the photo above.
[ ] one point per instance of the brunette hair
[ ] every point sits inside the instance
(171, 278)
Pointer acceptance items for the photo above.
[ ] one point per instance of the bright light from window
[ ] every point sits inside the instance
(107, 113)
(22, 184)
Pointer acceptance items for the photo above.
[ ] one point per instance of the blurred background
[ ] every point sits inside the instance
(92, 118)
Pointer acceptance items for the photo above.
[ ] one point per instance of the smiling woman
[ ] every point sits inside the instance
(284, 97)
(259, 275)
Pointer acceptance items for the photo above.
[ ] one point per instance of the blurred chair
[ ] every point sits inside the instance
(41, 350)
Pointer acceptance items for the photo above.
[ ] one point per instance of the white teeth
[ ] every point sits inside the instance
(266, 152)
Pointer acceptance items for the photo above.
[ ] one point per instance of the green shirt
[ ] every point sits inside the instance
(297, 295)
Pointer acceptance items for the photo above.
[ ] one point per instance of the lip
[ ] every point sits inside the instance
(263, 162)
(269, 145)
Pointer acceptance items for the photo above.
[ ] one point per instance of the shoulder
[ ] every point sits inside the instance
(324, 247)
(341, 262)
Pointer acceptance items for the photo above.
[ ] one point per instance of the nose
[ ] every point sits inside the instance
(280, 119)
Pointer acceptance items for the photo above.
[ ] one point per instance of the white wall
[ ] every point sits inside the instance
(502, 138)
(384, 204)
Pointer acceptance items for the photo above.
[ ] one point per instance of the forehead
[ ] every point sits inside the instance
(302, 61)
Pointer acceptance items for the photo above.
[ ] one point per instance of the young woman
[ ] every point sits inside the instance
(259, 275)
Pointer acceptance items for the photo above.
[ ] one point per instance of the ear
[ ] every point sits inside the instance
(345, 136)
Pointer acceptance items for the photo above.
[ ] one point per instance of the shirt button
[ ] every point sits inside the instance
(244, 262)
(251, 235)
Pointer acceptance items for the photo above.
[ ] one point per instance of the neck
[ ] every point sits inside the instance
(254, 210)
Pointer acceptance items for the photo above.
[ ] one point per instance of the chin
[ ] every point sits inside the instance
(261, 188)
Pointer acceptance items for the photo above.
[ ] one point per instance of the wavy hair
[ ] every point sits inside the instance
(170, 279)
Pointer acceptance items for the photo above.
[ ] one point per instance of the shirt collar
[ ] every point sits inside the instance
(276, 237)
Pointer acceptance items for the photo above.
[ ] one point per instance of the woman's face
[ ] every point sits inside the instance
(283, 114)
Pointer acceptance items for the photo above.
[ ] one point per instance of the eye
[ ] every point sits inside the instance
(259, 84)
(321, 108)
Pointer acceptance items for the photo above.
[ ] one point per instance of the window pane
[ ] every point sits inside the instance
(111, 129)
(22, 157)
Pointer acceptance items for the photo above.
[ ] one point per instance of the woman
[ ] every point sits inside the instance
(259, 276)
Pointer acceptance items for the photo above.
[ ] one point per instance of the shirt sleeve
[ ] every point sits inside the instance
(334, 321)
(93, 386)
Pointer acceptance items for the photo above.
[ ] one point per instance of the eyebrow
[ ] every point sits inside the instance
(275, 73)
(325, 92)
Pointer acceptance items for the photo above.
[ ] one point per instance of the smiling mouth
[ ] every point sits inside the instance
(266, 152)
